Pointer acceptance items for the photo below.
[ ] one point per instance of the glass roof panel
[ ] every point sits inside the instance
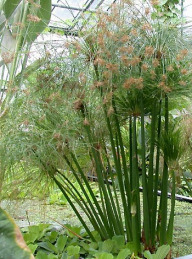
(74, 3)
(62, 17)
(102, 3)
(66, 14)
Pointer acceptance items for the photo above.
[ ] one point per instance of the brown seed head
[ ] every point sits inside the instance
(147, 11)
(124, 38)
(8, 57)
(26, 123)
(134, 32)
(146, 27)
(179, 57)
(184, 52)
(149, 50)
(129, 83)
(99, 61)
(112, 67)
(135, 61)
(153, 74)
(99, 84)
(33, 18)
(124, 58)
(166, 89)
(170, 69)
(155, 62)
(184, 71)
(144, 67)
(154, 2)
(122, 49)
(164, 77)
(161, 84)
(183, 83)
(107, 74)
(139, 83)
(78, 105)
(130, 49)
(57, 136)
(86, 122)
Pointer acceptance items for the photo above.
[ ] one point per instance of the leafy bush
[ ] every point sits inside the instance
(48, 243)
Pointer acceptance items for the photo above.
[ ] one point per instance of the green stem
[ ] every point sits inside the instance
(74, 209)
(99, 170)
(151, 158)
(95, 213)
(119, 217)
(171, 219)
(127, 185)
(106, 202)
(146, 222)
(130, 151)
(135, 206)
(154, 210)
(101, 214)
(114, 216)
(163, 209)
(120, 178)
(51, 173)
(74, 193)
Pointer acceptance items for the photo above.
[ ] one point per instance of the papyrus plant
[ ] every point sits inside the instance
(119, 76)
(20, 24)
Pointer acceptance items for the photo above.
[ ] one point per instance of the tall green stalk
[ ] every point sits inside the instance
(171, 218)
(130, 150)
(119, 216)
(101, 219)
(135, 203)
(127, 185)
(74, 208)
(151, 157)
(120, 178)
(154, 210)
(163, 201)
(146, 219)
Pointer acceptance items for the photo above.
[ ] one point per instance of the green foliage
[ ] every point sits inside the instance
(161, 253)
(12, 244)
(57, 198)
(167, 10)
(35, 232)
(124, 253)
(172, 144)
(9, 7)
(65, 246)
(47, 242)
